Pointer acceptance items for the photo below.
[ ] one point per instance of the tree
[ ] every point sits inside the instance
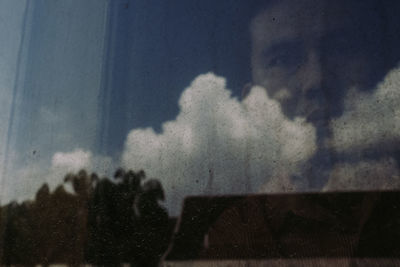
(104, 222)
(152, 235)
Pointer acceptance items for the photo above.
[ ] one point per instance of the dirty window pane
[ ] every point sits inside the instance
(195, 98)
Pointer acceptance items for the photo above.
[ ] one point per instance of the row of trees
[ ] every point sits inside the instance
(103, 222)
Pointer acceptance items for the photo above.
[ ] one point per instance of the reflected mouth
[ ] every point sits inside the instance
(316, 115)
(312, 110)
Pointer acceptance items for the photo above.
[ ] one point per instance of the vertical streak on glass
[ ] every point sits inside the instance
(105, 85)
(18, 80)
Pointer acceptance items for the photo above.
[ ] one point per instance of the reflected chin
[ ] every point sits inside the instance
(311, 112)
(317, 116)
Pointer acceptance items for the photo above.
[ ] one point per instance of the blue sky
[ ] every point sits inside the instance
(98, 83)
(87, 72)
(55, 75)
(11, 23)
(156, 49)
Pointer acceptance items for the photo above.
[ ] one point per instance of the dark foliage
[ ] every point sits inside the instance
(103, 222)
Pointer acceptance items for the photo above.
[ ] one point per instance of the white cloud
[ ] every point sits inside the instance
(24, 182)
(370, 118)
(371, 122)
(213, 135)
(217, 135)
(232, 141)
(73, 161)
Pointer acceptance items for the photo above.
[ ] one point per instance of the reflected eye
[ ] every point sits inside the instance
(288, 57)
(277, 61)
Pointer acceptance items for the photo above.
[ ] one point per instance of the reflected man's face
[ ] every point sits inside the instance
(307, 53)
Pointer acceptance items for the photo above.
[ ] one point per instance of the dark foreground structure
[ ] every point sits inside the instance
(321, 229)
(103, 223)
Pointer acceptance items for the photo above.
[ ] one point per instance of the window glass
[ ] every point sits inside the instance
(205, 97)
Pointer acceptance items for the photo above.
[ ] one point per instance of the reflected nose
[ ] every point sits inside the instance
(312, 74)
(311, 100)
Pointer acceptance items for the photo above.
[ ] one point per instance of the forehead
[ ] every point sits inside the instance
(306, 19)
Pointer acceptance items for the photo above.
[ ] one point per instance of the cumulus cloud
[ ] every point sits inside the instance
(73, 161)
(218, 144)
(371, 122)
(25, 181)
(370, 118)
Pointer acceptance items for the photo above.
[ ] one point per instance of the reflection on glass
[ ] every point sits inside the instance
(206, 98)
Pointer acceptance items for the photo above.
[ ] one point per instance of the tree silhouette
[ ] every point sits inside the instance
(152, 232)
(103, 222)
